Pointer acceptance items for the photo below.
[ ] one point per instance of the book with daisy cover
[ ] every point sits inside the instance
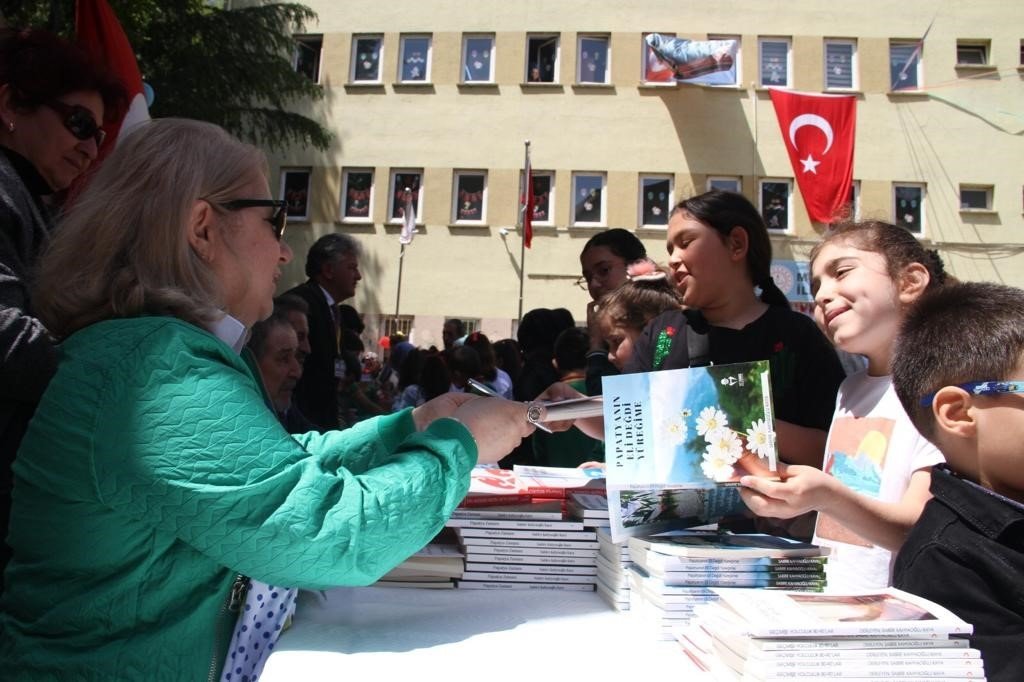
(677, 442)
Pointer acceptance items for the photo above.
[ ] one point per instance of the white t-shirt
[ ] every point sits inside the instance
(502, 383)
(873, 449)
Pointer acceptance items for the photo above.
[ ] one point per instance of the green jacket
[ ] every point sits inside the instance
(153, 473)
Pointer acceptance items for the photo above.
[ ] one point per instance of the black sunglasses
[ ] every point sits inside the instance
(79, 121)
(278, 220)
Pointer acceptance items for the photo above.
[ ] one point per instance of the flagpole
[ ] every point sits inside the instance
(522, 247)
(398, 294)
(406, 220)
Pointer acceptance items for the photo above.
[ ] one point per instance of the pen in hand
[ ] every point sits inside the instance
(486, 390)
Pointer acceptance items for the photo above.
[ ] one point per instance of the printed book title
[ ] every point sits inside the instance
(627, 431)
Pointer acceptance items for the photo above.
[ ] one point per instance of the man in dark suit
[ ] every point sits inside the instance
(332, 266)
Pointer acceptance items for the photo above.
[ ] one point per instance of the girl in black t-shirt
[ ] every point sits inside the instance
(720, 256)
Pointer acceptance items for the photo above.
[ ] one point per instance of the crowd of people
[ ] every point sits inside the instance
(182, 450)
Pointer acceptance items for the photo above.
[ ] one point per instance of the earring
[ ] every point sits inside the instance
(10, 127)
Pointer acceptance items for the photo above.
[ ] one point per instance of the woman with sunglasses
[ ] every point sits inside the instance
(153, 478)
(52, 100)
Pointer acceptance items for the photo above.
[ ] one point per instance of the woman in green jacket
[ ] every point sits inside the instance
(153, 475)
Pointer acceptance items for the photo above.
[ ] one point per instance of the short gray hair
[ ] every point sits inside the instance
(327, 248)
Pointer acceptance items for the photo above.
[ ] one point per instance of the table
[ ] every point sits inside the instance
(379, 634)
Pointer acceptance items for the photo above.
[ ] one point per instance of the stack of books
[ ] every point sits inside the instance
(529, 544)
(673, 573)
(434, 566)
(764, 636)
(613, 565)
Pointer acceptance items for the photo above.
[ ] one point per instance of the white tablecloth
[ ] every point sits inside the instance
(384, 634)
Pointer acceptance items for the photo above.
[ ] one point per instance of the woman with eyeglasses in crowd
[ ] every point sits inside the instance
(153, 479)
(52, 103)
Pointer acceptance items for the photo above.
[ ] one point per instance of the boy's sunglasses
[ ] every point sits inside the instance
(278, 219)
(79, 121)
(982, 388)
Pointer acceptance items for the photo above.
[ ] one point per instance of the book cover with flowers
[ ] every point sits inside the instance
(677, 441)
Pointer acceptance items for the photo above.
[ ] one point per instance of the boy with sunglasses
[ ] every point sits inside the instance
(967, 396)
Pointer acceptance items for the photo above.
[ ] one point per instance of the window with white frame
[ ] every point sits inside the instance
(366, 58)
(357, 195)
(976, 197)
(972, 52)
(731, 75)
(776, 195)
(543, 197)
(594, 55)
(306, 58)
(655, 201)
(478, 59)
(401, 324)
(469, 324)
(295, 191)
(904, 65)
(840, 64)
(853, 205)
(469, 196)
(414, 59)
(588, 199)
(775, 62)
(908, 206)
(850, 210)
(727, 183)
(542, 58)
(402, 180)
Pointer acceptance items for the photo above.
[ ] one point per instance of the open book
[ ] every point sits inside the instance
(677, 442)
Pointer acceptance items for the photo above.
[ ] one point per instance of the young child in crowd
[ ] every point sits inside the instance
(603, 262)
(958, 369)
(719, 256)
(496, 378)
(623, 313)
(572, 447)
(864, 276)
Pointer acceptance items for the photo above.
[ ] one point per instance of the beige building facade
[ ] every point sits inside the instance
(440, 97)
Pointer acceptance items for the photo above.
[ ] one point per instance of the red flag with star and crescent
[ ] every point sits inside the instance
(818, 131)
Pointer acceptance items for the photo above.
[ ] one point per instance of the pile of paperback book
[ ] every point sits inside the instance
(765, 636)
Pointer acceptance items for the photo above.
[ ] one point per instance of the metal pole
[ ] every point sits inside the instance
(398, 294)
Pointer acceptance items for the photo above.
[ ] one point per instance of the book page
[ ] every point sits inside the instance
(677, 442)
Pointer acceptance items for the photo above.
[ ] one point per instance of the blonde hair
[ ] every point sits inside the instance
(122, 250)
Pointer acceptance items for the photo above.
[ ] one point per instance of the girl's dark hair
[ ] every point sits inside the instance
(622, 243)
(723, 211)
(435, 379)
(411, 368)
(40, 67)
(482, 345)
(895, 244)
(508, 357)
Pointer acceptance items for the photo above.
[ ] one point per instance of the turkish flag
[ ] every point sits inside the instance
(818, 131)
(527, 203)
(101, 36)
